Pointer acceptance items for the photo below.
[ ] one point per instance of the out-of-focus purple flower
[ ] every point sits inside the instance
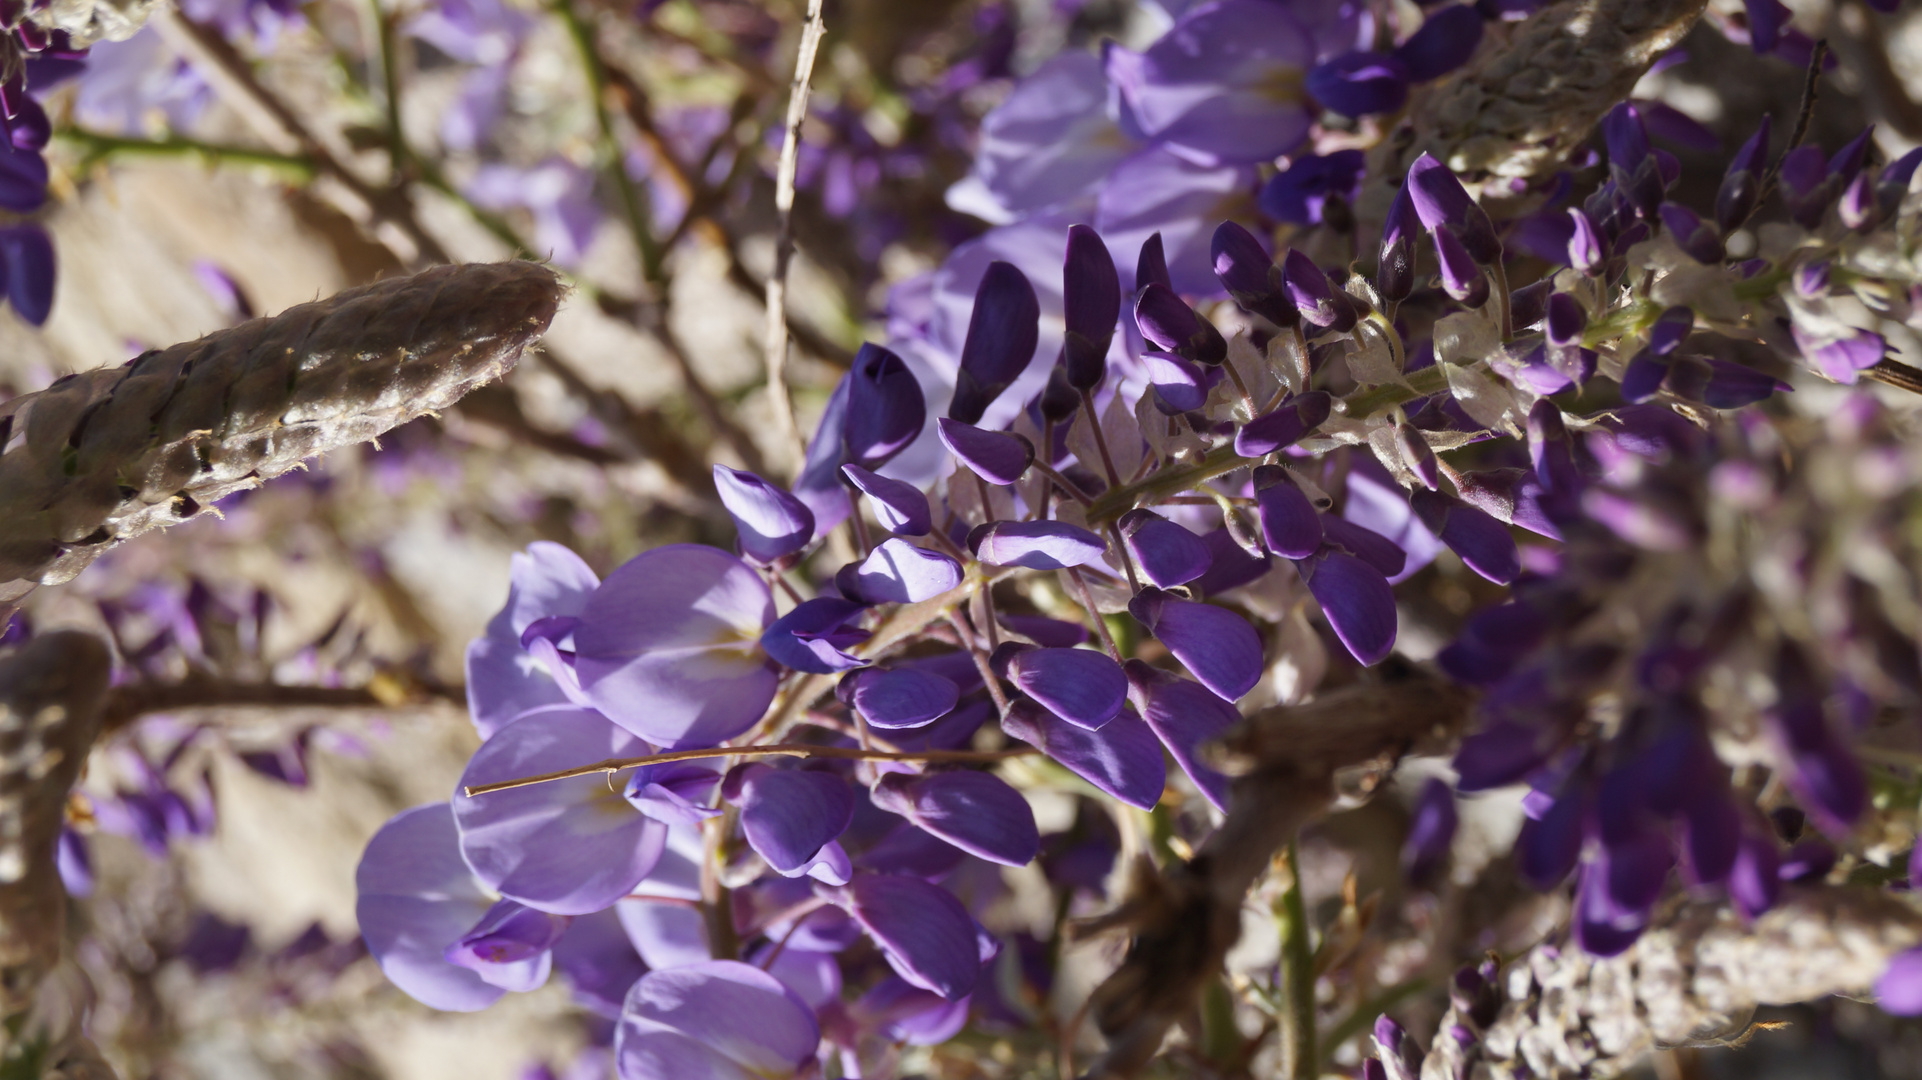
(771, 523)
(1299, 194)
(1002, 334)
(1167, 321)
(1431, 830)
(1167, 554)
(1697, 238)
(1223, 85)
(1550, 844)
(1360, 83)
(26, 254)
(1158, 191)
(1049, 142)
(1356, 599)
(1250, 275)
(789, 815)
(815, 636)
(975, 811)
(74, 860)
(569, 846)
(900, 507)
(1446, 40)
(1483, 543)
(1185, 716)
(1081, 686)
(1091, 307)
(1755, 879)
(125, 83)
(908, 1014)
(1218, 646)
(1841, 358)
(1899, 989)
(1893, 184)
(998, 457)
(1123, 759)
(668, 646)
(927, 936)
(885, 409)
(416, 899)
(714, 1019)
(1036, 545)
(1316, 299)
(558, 193)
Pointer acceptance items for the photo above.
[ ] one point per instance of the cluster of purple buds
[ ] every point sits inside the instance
(28, 51)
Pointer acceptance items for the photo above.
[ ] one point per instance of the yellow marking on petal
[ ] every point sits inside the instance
(1283, 84)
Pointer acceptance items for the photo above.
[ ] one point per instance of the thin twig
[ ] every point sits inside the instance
(800, 750)
(1897, 374)
(777, 347)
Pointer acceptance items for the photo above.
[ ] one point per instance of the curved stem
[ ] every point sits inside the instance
(800, 750)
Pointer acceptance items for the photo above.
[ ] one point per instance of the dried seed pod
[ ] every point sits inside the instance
(89, 21)
(104, 455)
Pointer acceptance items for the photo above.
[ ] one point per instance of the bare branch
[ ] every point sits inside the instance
(800, 750)
(777, 331)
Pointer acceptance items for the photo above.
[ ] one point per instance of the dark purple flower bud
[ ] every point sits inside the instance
(1446, 40)
(1091, 306)
(1643, 377)
(1360, 84)
(1179, 386)
(1233, 565)
(1842, 359)
(1501, 754)
(1893, 184)
(1899, 989)
(1312, 187)
(1167, 554)
(789, 815)
(1417, 455)
(1290, 524)
(1809, 860)
(1670, 329)
(1755, 880)
(1549, 846)
(998, 457)
(1365, 544)
(900, 507)
(1185, 717)
(1847, 161)
(1122, 760)
(23, 180)
(1586, 251)
(885, 408)
(1395, 270)
(927, 936)
(1551, 449)
(1215, 644)
(1167, 321)
(903, 697)
(1630, 164)
(1742, 184)
(1693, 235)
(1718, 383)
(1601, 927)
(771, 523)
(1002, 334)
(897, 572)
(1059, 399)
(1431, 830)
(1566, 320)
(975, 811)
(1804, 184)
(1046, 632)
(1668, 123)
(1915, 867)
(1250, 276)
(1461, 278)
(1811, 279)
(1081, 686)
(1151, 267)
(1285, 426)
(26, 254)
(1766, 18)
(1711, 833)
(73, 858)
(1440, 199)
(814, 636)
(1528, 305)
(1857, 207)
(1356, 599)
(1036, 545)
(1510, 496)
(1400, 1056)
(1483, 543)
(1316, 299)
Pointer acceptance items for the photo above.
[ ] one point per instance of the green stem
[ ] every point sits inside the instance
(608, 150)
(95, 146)
(1298, 966)
(397, 151)
(1363, 1018)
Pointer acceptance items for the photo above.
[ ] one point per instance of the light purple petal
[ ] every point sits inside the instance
(668, 646)
(567, 846)
(1215, 644)
(927, 936)
(1158, 191)
(504, 681)
(1185, 716)
(1899, 990)
(665, 935)
(416, 897)
(789, 814)
(727, 1009)
(814, 636)
(900, 507)
(1081, 686)
(910, 1014)
(975, 811)
(599, 961)
(772, 524)
(1036, 545)
(897, 572)
(510, 947)
(1051, 139)
(1123, 759)
(902, 697)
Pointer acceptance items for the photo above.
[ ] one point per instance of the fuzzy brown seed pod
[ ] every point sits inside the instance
(1532, 93)
(105, 455)
(1694, 979)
